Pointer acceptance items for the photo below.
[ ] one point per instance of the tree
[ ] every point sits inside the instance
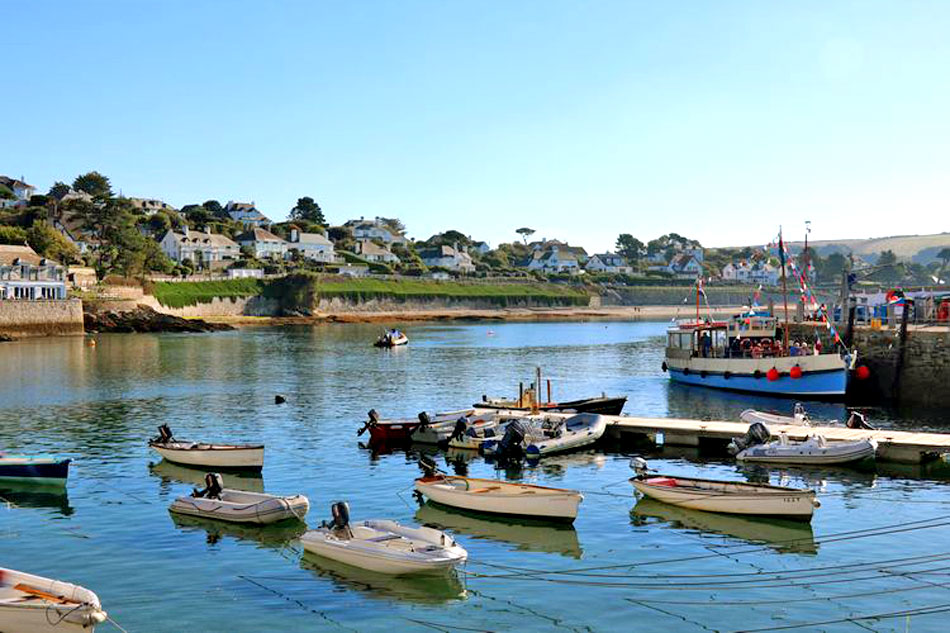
(50, 243)
(944, 256)
(525, 233)
(95, 184)
(6, 193)
(214, 208)
(58, 190)
(887, 258)
(12, 235)
(309, 211)
(629, 247)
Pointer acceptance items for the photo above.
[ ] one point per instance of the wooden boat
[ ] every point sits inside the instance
(37, 469)
(537, 436)
(217, 456)
(493, 496)
(396, 431)
(385, 547)
(236, 506)
(529, 400)
(728, 497)
(34, 604)
(814, 450)
(392, 338)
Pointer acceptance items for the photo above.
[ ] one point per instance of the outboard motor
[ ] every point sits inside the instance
(214, 485)
(460, 426)
(429, 467)
(510, 445)
(857, 421)
(757, 434)
(799, 413)
(424, 420)
(373, 421)
(340, 511)
(164, 435)
(639, 466)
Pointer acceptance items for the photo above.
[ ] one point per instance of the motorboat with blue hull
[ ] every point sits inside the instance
(747, 353)
(35, 469)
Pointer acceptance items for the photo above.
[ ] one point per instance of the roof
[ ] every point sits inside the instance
(258, 235)
(13, 182)
(199, 237)
(369, 248)
(238, 206)
(437, 251)
(313, 238)
(26, 255)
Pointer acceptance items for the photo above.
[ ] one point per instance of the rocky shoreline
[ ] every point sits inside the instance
(142, 318)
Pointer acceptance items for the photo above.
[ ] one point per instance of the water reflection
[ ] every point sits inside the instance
(526, 535)
(422, 589)
(276, 535)
(27, 495)
(782, 536)
(169, 471)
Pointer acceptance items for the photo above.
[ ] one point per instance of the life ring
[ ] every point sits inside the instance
(746, 344)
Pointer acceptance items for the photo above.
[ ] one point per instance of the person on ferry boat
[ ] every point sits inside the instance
(706, 344)
(793, 349)
(757, 351)
(817, 346)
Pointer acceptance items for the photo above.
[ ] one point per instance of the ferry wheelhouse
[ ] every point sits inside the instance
(748, 353)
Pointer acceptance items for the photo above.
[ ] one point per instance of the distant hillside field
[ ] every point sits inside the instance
(921, 249)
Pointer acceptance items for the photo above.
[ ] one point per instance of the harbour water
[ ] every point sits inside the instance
(875, 547)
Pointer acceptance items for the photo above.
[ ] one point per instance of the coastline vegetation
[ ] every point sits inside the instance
(189, 293)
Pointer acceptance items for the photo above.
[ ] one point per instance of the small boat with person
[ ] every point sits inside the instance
(391, 338)
(497, 497)
(383, 546)
(237, 506)
(728, 497)
(815, 450)
(35, 469)
(34, 604)
(235, 456)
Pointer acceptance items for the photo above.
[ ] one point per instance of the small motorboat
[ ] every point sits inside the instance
(814, 450)
(424, 429)
(383, 546)
(33, 604)
(391, 338)
(493, 496)
(470, 435)
(727, 497)
(537, 436)
(35, 469)
(529, 400)
(440, 433)
(223, 504)
(800, 417)
(236, 456)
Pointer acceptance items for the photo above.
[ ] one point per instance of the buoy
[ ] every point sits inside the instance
(92, 342)
(772, 374)
(795, 372)
(279, 399)
(862, 372)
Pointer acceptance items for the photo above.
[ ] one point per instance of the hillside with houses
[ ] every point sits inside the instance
(83, 232)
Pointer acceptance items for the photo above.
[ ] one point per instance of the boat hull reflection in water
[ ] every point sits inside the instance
(248, 481)
(275, 535)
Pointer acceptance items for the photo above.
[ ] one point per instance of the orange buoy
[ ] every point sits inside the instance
(795, 372)
(772, 374)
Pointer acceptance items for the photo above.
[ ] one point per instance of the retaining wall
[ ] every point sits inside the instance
(41, 318)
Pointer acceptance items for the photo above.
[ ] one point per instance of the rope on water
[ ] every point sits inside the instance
(115, 624)
(888, 615)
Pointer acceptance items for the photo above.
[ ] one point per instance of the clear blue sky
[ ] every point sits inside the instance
(717, 120)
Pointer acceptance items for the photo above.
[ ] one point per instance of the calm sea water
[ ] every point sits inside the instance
(626, 565)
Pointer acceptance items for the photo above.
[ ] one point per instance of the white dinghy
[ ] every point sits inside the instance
(381, 546)
(728, 497)
(800, 417)
(498, 497)
(223, 504)
(537, 436)
(446, 426)
(33, 604)
(814, 450)
(249, 456)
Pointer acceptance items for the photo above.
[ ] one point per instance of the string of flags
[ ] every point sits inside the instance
(821, 312)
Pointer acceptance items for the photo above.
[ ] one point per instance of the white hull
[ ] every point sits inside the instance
(581, 430)
(752, 416)
(211, 455)
(443, 424)
(387, 547)
(23, 610)
(500, 497)
(244, 507)
(730, 497)
(810, 452)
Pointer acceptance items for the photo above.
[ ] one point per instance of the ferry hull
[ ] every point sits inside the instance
(824, 384)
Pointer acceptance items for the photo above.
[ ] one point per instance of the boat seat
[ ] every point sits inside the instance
(662, 481)
(384, 537)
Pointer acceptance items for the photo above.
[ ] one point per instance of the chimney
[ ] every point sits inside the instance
(207, 230)
(294, 234)
(185, 231)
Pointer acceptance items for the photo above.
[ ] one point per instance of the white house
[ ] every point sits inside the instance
(448, 257)
(375, 230)
(25, 276)
(314, 246)
(21, 190)
(554, 260)
(372, 252)
(685, 267)
(247, 214)
(481, 247)
(211, 250)
(264, 243)
(608, 263)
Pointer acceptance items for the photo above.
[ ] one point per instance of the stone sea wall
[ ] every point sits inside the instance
(220, 307)
(41, 318)
(921, 377)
